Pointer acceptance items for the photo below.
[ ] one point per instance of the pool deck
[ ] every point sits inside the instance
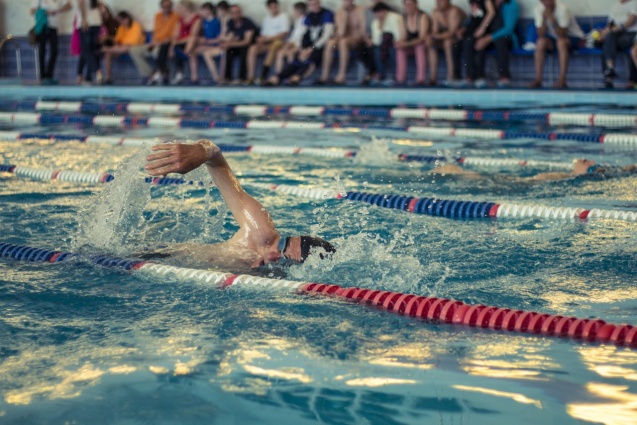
(486, 98)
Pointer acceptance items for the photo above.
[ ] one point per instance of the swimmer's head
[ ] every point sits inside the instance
(298, 248)
(586, 166)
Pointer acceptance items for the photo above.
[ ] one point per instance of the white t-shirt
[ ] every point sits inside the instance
(393, 24)
(53, 20)
(274, 25)
(620, 13)
(93, 17)
(298, 32)
(564, 18)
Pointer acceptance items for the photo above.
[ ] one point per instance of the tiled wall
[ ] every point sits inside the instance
(585, 70)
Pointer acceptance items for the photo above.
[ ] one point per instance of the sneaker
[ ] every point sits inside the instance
(504, 83)
(99, 78)
(156, 78)
(481, 83)
(610, 73)
(178, 79)
(86, 84)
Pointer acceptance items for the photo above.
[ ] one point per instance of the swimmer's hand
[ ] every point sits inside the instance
(180, 158)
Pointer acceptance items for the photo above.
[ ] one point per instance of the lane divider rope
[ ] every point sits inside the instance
(329, 152)
(439, 310)
(615, 139)
(431, 114)
(453, 209)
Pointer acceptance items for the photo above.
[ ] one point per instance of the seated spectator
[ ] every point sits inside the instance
(417, 30)
(350, 35)
(293, 43)
(185, 40)
(166, 22)
(110, 24)
(619, 35)
(223, 14)
(447, 21)
(319, 27)
(556, 27)
(274, 29)
(504, 39)
(237, 41)
(480, 17)
(209, 44)
(387, 30)
(129, 34)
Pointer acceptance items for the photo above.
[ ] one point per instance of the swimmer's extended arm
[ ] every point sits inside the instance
(183, 158)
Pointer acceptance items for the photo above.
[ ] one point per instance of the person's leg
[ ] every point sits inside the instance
(468, 56)
(328, 59)
(456, 49)
(92, 53)
(42, 53)
(83, 61)
(53, 43)
(253, 53)
(343, 59)
(193, 64)
(433, 63)
(380, 64)
(479, 63)
(243, 63)
(230, 55)
(420, 52)
(272, 54)
(542, 46)
(449, 46)
(401, 64)
(366, 55)
(162, 59)
(209, 56)
(108, 65)
(503, 56)
(563, 47)
(139, 54)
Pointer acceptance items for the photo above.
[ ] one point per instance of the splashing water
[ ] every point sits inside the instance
(376, 153)
(108, 221)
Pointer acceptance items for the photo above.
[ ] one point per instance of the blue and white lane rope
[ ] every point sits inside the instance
(614, 139)
(441, 310)
(454, 209)
(553, 118)
(328, 152)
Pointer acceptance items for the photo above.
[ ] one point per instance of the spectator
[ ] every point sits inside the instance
(319, 27)
(350, 34)
(417, 30)
(447, 21)
(90, 22)
(185, 40)
(223, 14)
(48, 33)
(619, 34)
(366, 50)
(209, 44)
(166, 22)
(110, 24)
(294, 41)
(129, 34)
(556, 27)
(275, 28)
(387, 30)
(239, 37)
(503, 37)
(480, 18)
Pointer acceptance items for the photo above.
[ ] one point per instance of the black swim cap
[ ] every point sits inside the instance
(310, 242)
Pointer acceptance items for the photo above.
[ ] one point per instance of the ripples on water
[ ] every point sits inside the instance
(81, 344)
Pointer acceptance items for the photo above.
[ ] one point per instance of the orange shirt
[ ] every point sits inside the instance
(133, 36)
(165, 27)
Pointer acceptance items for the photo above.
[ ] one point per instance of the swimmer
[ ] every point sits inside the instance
(257, 243)
(581, 167)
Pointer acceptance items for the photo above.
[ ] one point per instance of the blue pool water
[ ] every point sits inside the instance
(84, 344)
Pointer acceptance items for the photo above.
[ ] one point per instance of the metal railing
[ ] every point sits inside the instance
(9, 39)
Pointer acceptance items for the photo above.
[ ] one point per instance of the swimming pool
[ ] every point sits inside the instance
(82, 343)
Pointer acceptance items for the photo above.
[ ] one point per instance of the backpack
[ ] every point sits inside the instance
(41, 22)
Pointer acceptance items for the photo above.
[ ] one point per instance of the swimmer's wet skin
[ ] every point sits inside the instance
(257, 242)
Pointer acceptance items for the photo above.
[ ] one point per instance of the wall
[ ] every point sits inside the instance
(15, 18)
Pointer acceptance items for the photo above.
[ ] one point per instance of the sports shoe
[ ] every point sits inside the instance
(610, 73)
(155, 79)
(177, 79)
(99, 78)
(481, 83)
